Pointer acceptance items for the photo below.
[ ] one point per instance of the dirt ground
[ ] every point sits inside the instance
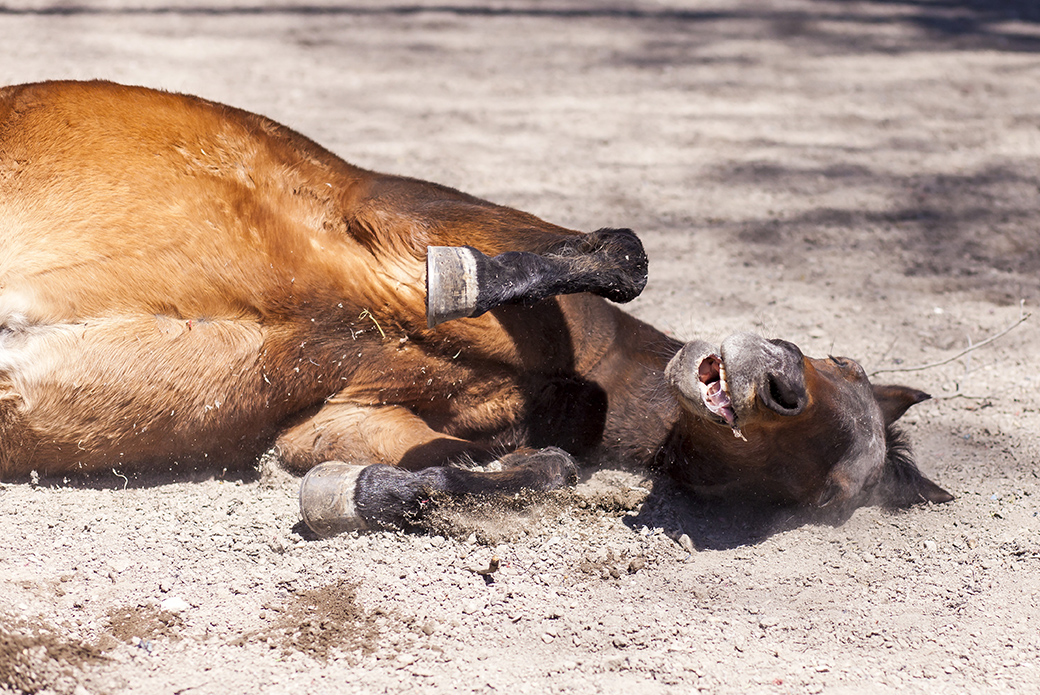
(861, 178)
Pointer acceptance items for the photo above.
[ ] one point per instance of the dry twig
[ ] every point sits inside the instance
(971, 348)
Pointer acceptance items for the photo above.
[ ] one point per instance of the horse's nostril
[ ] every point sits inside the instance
(780, 398)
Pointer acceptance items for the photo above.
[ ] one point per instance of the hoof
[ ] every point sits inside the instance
(451, 284)
(339, 497)
(328, 496)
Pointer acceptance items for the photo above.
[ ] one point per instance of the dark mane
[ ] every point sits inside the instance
(900, 484)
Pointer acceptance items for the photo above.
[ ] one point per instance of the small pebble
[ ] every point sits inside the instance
(174, 604)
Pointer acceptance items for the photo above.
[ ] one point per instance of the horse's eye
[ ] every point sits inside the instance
(851, 368)
(841, 362)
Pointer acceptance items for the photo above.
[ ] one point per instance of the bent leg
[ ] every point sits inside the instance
(463, 282)
(383, 462)
(391, 434)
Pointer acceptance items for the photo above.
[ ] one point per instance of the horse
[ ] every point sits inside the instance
(185, 284)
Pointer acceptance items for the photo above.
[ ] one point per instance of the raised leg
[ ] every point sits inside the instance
(463, 282)
(383, 462)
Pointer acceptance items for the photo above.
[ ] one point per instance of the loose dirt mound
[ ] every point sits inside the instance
(320, 622)
(36, 657)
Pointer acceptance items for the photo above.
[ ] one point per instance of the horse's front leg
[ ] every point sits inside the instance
(375, 466)
(463, 282)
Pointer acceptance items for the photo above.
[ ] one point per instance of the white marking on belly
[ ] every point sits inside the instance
(29, 352)
(15, 309)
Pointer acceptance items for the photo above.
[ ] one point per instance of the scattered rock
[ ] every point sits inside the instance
(120, 565)
(174, 604)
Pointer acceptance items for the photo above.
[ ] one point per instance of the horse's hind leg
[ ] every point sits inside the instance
(463, 282)
(131, 390)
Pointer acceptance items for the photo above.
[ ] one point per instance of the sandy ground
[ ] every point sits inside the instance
(858, 177)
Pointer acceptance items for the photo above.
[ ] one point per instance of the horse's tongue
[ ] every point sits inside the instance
(716, 399)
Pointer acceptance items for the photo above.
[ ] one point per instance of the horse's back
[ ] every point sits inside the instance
(119, 199)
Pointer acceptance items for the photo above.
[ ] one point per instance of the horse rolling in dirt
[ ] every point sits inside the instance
(187, 284)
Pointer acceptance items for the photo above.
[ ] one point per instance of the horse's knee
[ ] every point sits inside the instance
(617, 260)
(546, 469)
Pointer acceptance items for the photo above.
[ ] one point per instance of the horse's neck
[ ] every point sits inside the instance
(626, 358)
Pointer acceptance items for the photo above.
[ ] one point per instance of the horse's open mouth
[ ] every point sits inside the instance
(714, 390)
(711, 375)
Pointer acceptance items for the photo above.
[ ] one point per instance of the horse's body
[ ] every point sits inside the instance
(182, 282)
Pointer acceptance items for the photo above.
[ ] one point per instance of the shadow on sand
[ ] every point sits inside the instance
(723, 525)
(841, 27)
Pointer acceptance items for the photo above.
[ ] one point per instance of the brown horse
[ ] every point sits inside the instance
(183, 283)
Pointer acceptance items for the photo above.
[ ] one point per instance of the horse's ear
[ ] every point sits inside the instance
(902, 484)
(896, 400)
(910, 489)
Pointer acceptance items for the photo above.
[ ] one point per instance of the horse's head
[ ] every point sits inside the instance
(760, 417)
